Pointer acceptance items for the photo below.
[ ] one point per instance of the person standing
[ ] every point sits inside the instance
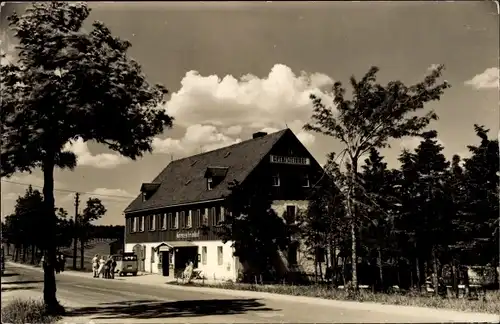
(102, 262)
(63, 262)
(57, 266)
(113, 267)
(95, 266)
(107, 267)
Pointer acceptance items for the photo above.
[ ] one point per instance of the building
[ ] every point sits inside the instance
(165, 223)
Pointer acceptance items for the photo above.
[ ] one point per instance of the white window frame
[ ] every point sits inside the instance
(164, 220)
(182, 219)
(204, 254)
(152, 220)
(222, 217)
(274, 177)
(204, 217)
(214, 215)
(220, 255)
(210, 183)
(307, 183)
(133, 224)
(176, 220)
(189, 221)
(142, 223)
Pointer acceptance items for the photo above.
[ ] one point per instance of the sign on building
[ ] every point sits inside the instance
(187, 235)
(290, 160)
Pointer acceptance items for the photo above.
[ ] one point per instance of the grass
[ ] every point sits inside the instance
(21, 311)
(489, 304)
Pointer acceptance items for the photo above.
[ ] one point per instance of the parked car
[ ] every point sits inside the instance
(126, 263)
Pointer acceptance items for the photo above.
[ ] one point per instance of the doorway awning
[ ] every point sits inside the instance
(167, 246)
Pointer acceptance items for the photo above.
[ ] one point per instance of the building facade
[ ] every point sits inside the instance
(176, 218)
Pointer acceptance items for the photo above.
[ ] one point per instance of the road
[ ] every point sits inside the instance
(118, 301)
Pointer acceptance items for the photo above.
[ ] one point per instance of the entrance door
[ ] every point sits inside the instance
(165, 263)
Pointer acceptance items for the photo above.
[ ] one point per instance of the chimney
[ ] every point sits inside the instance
(259, 134)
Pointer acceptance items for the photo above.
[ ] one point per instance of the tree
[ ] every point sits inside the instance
(427, 204)
(93, 211)
(322, 225)
(375, 115)
(68, 84)
(482, 185)
(22, 228)
(29, 210)
(256, 231)
(377, 205)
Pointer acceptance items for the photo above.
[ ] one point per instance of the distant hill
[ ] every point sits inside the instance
(93, 247)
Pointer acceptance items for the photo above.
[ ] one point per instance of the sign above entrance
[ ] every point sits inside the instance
(188, 235)
(290, 160)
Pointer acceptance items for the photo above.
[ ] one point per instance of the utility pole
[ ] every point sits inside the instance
(75, 230)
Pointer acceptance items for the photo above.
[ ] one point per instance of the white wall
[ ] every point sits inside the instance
(212, 270)
(279, 206)
(303, 262)
(228, 270)
(149, 266)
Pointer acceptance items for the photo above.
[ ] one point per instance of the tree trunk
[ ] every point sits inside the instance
(351, 210)
(49, 278)
(75, 244)
(417, 272)
(333, 257)
(16, 253)
(380, 268)
(454, 277)
(82, 252)
(435, 277)
(33, 250)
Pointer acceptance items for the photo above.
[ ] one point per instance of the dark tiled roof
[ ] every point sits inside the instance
(183, 181)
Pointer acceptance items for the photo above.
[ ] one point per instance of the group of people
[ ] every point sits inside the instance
(103, 268)
(59, 265)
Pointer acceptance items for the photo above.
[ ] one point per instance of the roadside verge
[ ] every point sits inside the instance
(435, 313)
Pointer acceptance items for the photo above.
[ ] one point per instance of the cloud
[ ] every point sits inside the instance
(196, 139)
(486, 80)
(296, 126)
(234, 130)
(248, 101)
(15, 186)
(85, 157)
(217, 109)
(433, 67)
(112, 193)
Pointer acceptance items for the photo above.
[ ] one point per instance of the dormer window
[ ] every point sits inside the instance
(215, 175)
(148, 190)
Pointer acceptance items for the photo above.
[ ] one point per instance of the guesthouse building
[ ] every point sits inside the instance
(175, 217)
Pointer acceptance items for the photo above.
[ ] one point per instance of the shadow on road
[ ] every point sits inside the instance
(143, 309)
(9, 274)
(6, 289)
(22, 282)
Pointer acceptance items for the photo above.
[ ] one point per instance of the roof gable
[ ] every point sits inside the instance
(184, 181)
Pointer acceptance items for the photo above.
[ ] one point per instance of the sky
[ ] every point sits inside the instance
(236, 68)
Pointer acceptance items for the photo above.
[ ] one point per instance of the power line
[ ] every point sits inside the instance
(68, 191)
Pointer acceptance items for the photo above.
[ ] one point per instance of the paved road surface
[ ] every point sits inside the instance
(118, 301)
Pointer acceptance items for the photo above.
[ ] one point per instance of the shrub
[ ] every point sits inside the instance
(21, 311)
